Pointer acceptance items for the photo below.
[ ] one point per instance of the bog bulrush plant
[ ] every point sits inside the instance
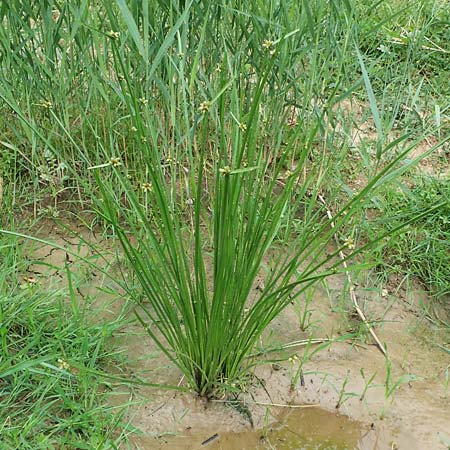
(204, 148)
(199, 305)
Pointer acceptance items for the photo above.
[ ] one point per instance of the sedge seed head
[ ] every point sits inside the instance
(115, 162)
(46, 104)
(146, 187)
(225, 171)
(114, 35)
(62, 364)
(204, 107)
(349, 243)
(268, 45)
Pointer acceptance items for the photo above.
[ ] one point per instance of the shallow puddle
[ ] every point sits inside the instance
(300, 429)
(314, 428)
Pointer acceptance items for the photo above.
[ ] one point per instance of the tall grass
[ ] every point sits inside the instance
(202, 132)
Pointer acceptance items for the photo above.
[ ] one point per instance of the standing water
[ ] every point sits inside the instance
(300, 429)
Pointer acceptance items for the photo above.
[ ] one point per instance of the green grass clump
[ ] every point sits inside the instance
(422, 250)
(49, 396)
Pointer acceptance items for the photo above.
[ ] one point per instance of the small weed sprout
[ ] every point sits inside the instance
(343, 395)
(368, 383)
(304, 309)
(390, 386)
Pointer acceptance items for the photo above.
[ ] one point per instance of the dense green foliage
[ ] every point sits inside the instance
(423, 248)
